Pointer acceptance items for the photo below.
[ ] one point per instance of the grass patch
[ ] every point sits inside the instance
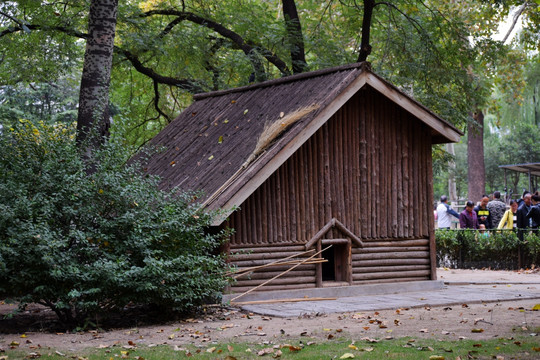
(520, 347)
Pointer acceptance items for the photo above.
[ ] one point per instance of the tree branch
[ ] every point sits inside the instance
(514, 21)
(247, 47)
(156, 102)
(189, 85)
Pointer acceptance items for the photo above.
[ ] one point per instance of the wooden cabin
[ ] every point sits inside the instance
(334, 157)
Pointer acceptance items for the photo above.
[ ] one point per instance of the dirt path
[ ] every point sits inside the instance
(229, 325)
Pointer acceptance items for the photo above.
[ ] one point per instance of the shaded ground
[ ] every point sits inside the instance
(229, 325)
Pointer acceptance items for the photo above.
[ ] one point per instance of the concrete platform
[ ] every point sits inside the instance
(454, 288)
(340, 291)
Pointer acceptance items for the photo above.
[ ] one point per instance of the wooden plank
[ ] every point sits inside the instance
(373, 250)
(389, 262)
(288, 280)
(266, 248)
(241, 289)
(392, 275)
(394, 280)
(402, 243)
(392, 255)
(390, 268)
(364, 172)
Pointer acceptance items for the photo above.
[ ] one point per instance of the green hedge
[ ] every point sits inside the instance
(87, 243)
(491, 248)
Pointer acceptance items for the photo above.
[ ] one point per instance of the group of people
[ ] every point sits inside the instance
(493, 214)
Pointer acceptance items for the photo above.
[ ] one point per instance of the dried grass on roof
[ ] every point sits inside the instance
(273, 130)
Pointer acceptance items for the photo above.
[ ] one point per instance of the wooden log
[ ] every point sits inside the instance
(283, 273)
(279, 281)
(392, 255)
(242, 289)
(268, 273)
(266, 247)
(387, 262)
(392, 275)
(255, 302)
(395, 243)
(364, 174)
(385, 281)
(373, 250)
(374, 269)
(277, 254)
(394, 171)
(273, 262)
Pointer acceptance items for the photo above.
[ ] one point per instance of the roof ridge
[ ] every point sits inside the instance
(363, 66)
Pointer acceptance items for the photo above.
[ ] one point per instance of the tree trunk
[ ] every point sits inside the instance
(365, 47)
(296, 39)
(475, 155)
(452, 191)
(93, 117)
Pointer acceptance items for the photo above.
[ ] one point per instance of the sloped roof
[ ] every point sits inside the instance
(529, 168)
(210, 146)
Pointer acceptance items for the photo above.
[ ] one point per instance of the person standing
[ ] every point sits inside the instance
(468, 218)
(496, 208)
(523, 210)
(444, 213)
(509, 219)
(534, 213)
(484, 215)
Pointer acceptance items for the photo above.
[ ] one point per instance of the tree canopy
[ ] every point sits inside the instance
(443, 53)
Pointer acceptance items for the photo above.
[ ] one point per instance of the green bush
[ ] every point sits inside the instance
(468, 246)
(84, 244)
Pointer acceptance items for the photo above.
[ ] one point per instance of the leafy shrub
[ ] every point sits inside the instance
(532, 241)
(84, 243)
(465, 246)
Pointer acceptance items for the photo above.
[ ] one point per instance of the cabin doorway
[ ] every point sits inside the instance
(337, 270)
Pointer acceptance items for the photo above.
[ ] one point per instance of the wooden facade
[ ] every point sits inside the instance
(369, 167)
(351, 179)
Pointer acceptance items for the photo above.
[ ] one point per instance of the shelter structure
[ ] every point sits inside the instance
(332, 164)
(532, 170)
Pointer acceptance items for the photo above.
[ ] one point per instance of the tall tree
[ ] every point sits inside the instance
(476, 175)
(93, 119)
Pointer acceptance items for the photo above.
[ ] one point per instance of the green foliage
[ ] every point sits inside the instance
(84, 243)
(496, 248)
(532, 241)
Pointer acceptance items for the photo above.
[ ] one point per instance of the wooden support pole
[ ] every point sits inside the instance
(283, 273)
(271, 263)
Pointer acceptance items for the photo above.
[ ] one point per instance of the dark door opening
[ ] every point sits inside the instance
(328, 268)
(337, 267)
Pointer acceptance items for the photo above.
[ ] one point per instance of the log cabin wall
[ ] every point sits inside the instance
(369, 167)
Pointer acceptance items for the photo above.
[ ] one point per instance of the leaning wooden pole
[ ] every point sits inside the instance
(281, 274)
(277, 262)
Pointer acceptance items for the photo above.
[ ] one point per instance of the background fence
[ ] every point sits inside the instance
(495, 249)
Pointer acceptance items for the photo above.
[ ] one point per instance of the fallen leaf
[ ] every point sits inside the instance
(211, 350)
(423, 330)
(347, 356)
(230, 348)
(436, 357)
(477, 345)
(477, 330)
(294, 348)
(536, 307)
(353, 347)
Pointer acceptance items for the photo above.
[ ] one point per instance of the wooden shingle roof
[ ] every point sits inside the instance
(212, 145)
